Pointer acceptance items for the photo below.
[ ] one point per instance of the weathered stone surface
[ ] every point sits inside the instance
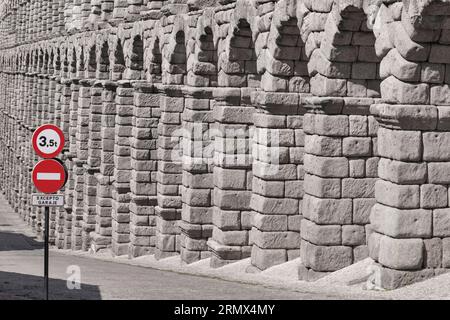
(235, 129)
(401, 254)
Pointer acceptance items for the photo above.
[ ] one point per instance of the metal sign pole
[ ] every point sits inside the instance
(47, 227)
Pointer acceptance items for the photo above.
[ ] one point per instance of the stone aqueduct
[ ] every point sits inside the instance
(234, 129)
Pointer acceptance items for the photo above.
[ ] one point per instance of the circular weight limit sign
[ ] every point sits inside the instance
(49, 176)
(48, 141)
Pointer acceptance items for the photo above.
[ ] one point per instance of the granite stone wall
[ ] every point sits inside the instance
(230, 129)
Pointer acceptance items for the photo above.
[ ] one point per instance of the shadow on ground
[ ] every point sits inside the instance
(29, 287)
(17, 286)
(10, 241)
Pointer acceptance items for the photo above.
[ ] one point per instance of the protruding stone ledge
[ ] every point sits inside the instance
(280, 102)
(327, 105)
(339, 105)
(199, 92)
(406, 117)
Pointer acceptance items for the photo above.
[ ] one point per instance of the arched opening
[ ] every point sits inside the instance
(91, 63)
(176, 72)
(285, 61)
(27, 61)
(40, 60)
(51, 61)
(46, 60)
(73, 64)
(154, 70)
(346, 59)
(238, 62)
(137, 59)
(119, 62)
(204, 68)
(103, 62)
(57, 61)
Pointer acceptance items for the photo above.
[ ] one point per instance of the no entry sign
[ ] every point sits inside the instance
(48, 141)
(49, 176)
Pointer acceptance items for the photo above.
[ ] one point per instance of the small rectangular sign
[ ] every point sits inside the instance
(48, 200)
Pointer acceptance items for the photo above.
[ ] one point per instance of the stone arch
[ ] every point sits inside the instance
(27, 62)
(202, 65)
(40, 60)
(136, 59)
(414, 43)
(47, 61)
(34, 58)
(118, 60)
(65, 62)
(57, 64)
(73, 64)
(103, 66)
(345, 63)
(81, 62)
(237, 63)
(282, 51)
(174, 67)
(17, 62)
(51, 61)
(153, 58)
(174, 52)
(91, 62)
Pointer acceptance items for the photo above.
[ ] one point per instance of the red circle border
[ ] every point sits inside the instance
(34, 141)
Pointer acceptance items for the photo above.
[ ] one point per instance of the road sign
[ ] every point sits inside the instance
(48, 200)
(49, 176)
(48, 141)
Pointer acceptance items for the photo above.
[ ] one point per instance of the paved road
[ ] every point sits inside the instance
(21, 269)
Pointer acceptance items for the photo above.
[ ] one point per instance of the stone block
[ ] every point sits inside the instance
(398, 196)
(275, 239)
(391, 279)
(274, 205)
(353, 235)
(446, 253)
(435, 146)
(325, 235)
(356, 147)
(358, 188)
(266, 222)
(358, 126)
(433, 253)
(361, 210)
(357, 168)
(400, 145)
(323, 146)
(441, 223)
(397, 91)
(433, 196)
(325, 258)
(266, 258)
(439, 172)
(401, 254)
(399, 223)
(402, 172)
(327, 167)
(327, 211)
(322, 187)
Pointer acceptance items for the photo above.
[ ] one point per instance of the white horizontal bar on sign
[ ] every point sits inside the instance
(48, 176)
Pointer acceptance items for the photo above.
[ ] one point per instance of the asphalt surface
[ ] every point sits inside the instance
(104, 277)
(21, 270)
